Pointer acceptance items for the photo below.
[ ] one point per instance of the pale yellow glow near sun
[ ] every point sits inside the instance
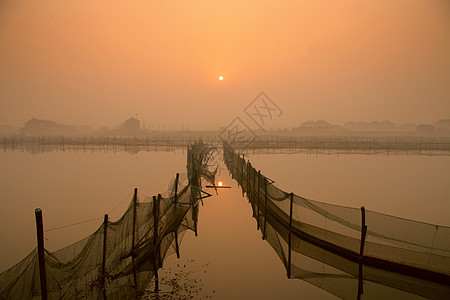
(220, 182)
(220, 77)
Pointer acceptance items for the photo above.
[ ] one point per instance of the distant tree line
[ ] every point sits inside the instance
(442, 126)
(132, 127)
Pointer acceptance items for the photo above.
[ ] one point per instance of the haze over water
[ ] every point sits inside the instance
(194, 66)
(100, 62)
(74, 187)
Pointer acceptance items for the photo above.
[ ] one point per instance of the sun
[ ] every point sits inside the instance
(220, 77)
(220, 183)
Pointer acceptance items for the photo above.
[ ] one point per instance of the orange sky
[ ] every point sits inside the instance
(100, 62)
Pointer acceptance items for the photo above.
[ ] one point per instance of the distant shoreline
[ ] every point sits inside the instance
(326, 144)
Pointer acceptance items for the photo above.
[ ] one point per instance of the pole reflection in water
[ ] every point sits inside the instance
(237, 262)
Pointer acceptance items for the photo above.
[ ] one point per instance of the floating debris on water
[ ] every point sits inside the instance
(183, 280)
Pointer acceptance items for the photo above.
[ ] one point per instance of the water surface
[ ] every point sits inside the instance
(228, 259)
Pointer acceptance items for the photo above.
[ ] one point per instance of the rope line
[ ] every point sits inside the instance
(115, 207)
(64, 226)
(91, 220)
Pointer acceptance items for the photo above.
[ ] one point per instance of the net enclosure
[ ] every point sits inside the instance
(120, 258)
(350, 252)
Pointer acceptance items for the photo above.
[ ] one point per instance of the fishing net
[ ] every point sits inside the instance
(346, 251)
(120, 258)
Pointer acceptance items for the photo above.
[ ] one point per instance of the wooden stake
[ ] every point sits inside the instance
(175, 200)
(361, 251)
(242, 173)
(242, 163)
(290, 236)
(250, 189)
(105, 232)
(248, 180)
(195, 194)
(265, 209)
(257, 200)
(155, 240)
(41, 254)
(254, 177)
(134, 236)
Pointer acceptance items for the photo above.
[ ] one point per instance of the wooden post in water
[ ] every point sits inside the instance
(41, 254)
(250, 189)
(103, 274)
(242, 174)
(175, 206)
(158, 252)
(248, 180)
(361, 251)
(265, 209)
(134, 236)
(257, 200)
(155, 241)
(290, 236)
(194, 198)
(254, 200)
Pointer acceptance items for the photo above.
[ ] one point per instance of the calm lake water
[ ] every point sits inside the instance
(228, 259)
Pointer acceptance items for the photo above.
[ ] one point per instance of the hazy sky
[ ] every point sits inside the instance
(100, 62)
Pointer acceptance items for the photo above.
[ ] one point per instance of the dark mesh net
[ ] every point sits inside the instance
(326, 245)
(121, 264)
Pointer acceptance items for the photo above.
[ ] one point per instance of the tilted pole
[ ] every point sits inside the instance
(41, 254)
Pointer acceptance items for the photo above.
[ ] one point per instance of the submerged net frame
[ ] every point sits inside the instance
(120, 258)
(346, 251)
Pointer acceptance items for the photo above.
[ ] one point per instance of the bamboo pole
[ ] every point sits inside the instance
(175, 200)
(247, 186)
(250, 189)
(257, 200)
(41, 254)
(194, 197)
(254, 176)
(361, 251)
(290, 236)
(134, 236)
(265, 209)
(158, 252)
(155, 240)
(242, 174)
(103, 274)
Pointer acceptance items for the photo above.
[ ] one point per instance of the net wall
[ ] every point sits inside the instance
(120, 264)
(325, 244)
